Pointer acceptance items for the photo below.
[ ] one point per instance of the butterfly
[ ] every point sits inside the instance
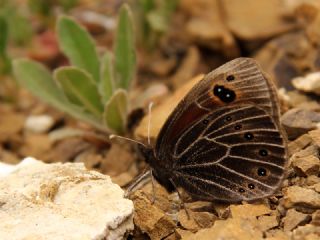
(224, 140)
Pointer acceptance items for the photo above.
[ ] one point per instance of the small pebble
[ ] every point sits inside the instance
(39, 123)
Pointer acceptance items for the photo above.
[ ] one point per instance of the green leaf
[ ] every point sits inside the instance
(115, 113)
(77, 44)
(38, 80)
(157, 21)
(124, 49)
(106, 84)
(80, 89)
(5, 62)
(3, 36)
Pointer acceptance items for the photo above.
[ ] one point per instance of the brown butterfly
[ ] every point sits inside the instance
(224, 140)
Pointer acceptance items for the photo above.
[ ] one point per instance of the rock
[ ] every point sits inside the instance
(312, 180)
(306, 162)
(255, 20)
(221, 209)
(62, 201)
(316, 218)
(299, 121)
(267, 222)
(310, 83)
(161, 112)
(296, 196)
(232, 228)
(315, 136)
(196, 221)
(307, 232)
(11, 123)
(39, 123)
(141, 97)
(150, 219)
(36, 145)
(249, 210)
(293, 219)
(67, 150)
(316, 187)
(277, 234)
(202, 15)
(299, 144)
(187, 68)
(183, 234)
(8, 156)
(5, 169)
(118, 160)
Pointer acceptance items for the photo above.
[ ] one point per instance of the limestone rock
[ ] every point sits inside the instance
(298, 121)
(39, 123)
(296, 196)
(62, 201)
(293, 219)
(309, 83)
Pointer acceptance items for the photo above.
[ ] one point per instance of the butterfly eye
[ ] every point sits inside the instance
(241, 190)
(263, 152)
(251, 186)
(224, 94)
(248, 136)
(237, 127)
(228, 118)
(230, 78)
(262, 172)
(205, 121)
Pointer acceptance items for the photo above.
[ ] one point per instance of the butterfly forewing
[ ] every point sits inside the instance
(224, 141)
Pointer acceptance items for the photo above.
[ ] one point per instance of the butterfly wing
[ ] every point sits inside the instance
(224, 134)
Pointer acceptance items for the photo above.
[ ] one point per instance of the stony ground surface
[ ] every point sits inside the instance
(283, 36)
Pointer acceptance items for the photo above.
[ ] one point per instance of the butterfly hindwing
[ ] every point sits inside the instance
(239, 154)
(204, 129)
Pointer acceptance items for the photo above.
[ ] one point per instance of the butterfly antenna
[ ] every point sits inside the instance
(149, 121)
(111, 136)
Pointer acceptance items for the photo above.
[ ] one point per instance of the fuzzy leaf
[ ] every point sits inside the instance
(124, 49)
(77, 44)
(115, 112)
(80, 89)
(3, 36)
(38, 80)
(106, 84)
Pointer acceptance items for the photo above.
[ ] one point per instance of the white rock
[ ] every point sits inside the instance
(309, 83)
(39, 123)
(61, 201)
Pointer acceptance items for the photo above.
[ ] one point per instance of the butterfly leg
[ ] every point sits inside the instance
(180, 197)
(138, 182)
(153, 200)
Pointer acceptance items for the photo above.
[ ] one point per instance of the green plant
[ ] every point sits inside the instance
(153, 18)
(19, 28)
(46, 7)
(93, 89)
(5, 63)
